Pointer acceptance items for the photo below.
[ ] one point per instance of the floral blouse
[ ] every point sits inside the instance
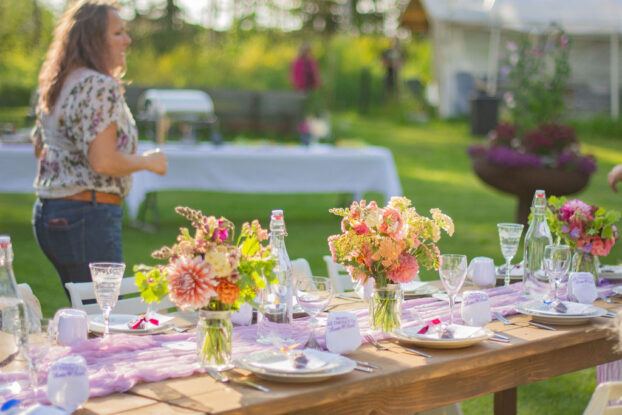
(87, 104)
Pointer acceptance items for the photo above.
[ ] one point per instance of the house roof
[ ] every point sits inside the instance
(574, 16)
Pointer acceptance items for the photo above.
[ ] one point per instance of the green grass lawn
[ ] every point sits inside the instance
(435, 172)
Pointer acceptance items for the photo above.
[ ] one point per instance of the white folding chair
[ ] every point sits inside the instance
(301, 268)
(603, 394)
(338, 275)
(81, 291)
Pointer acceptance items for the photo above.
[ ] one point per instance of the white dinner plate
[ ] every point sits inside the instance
(530, 308)
(276, 361)
(617, 289)
(119, 324)
(610, 272)
(469, 337)
(415, 289)
(443, 296)
(343, 366)
(516, 272)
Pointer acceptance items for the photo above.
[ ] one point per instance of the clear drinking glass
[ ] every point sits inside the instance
(107, 278)
(313, 295)
(452, 272)
(556, 264)
(509, 237)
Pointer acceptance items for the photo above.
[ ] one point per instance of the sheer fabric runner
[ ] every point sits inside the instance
(116, 365)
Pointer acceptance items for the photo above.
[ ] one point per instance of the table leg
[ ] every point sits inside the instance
(505, 402)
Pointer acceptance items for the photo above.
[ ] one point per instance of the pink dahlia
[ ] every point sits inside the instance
(571, 206)
(404, 269)
(190, 282)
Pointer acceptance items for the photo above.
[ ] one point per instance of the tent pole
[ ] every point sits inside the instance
(614, 75)
(493, 60)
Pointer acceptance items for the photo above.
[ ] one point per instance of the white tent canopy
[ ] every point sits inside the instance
(463, 21)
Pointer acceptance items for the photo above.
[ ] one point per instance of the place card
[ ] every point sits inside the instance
(475, 308)
(581, 287)
(343, 335)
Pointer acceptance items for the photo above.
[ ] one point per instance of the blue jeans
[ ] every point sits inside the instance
(72, 234)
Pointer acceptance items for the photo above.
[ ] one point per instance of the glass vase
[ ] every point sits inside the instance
(585, 262)
(385, 308)
(214, 336)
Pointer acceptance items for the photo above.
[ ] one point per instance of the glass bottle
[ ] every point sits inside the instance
(275, 315)
(535, 281)
(13, 311)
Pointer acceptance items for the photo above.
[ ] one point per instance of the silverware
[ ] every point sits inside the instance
(604, 298)
(224, 379)
(9, 359)
(415, 351)
(180, 329)
(346, 296)
(366, 364)
(508, 322)
(499, 339)
(373, 341)
(610, 315)
(364, 369)
(500, 335)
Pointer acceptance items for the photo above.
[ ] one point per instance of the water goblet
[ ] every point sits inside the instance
(556, 264)
(107, 278)
(313, 294)
(452, 271)
(509, 237)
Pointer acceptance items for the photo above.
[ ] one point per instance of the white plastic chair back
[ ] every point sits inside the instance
(301, 269)
(338, 275)
(605, 392)
(81, 291)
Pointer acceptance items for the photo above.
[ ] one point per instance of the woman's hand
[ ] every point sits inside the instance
(156, 161)
(614, 176)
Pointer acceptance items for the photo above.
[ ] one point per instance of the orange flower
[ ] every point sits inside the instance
(190, 282)
(227, 292)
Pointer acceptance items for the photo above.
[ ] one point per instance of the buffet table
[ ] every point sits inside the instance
(270, 169)
(237, 168)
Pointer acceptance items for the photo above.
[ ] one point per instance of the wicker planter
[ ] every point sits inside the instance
(523, 182)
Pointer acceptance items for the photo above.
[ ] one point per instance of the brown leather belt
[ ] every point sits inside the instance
(100, 197)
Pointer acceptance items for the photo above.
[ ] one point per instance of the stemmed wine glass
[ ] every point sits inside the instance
(452, 271)
(556, 264)
(509, 237)
(313, 294)
(107, 278)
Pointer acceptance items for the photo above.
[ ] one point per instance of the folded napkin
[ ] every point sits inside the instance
(412, 285)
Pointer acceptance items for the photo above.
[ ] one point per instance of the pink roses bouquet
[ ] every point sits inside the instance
(389, 244)
(583, 227)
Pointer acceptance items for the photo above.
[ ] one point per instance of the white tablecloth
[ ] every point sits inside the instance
(241, 169)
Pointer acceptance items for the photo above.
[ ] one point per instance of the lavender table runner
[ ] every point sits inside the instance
(120, 362)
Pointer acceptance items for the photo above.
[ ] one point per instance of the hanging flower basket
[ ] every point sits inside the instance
(524, 181)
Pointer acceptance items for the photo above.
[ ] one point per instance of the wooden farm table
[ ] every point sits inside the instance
(406, 383)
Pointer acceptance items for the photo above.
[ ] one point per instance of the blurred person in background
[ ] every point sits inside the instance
(85, 139)
(392, 59)
(305, 77)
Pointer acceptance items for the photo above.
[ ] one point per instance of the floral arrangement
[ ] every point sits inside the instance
(389, 244)
(537, 70)
(583, 227)
(208, 270)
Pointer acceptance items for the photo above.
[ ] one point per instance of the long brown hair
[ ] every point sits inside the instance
(79, 41)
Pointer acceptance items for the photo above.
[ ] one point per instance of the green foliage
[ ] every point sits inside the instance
(539, 70)
(151, 282)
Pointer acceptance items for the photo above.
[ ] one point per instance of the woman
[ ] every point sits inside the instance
(85, 139)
